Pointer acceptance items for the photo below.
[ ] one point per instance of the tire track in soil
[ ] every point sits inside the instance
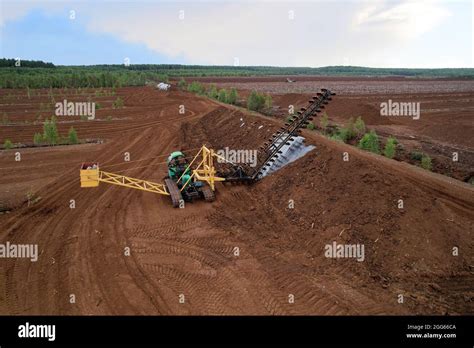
(200, 273)
(44, 287)
(140, 280)
(310, 296)
(13, 270)
(138, 270)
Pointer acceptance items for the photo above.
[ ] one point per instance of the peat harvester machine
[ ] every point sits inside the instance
(197, 179)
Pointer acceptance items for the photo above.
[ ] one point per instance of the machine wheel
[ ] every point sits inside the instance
(174, 192)
(208, 194)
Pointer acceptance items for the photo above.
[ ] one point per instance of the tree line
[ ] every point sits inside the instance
(5, 63)
(74, 78)
(38, 74)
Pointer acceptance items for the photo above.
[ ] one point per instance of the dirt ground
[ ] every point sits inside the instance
(183, 261)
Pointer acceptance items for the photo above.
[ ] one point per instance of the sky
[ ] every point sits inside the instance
(382, 33)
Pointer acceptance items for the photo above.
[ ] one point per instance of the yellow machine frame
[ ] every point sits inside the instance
(204, 171)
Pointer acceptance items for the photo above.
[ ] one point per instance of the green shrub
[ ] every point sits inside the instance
(336, 137)
(416, 156)
(32, 197)
(98, 106)
(213, 93)
(347, 133)
(370, 142)
(7, 145)
(50, 131)
(222, 97)
(72, 136)
(182, 84)
(426, 162)
(232, 96)
(196, 87)
(324, 122)
(350, 131)
(118, 103)
(109, 118)
(268, 101)
(37, 138)
(256, 101)
(390, 147)
(192, 87)
(343, 134)
(359, 126)
(311, 126)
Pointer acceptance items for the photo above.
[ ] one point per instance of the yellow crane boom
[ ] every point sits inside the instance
(91, 176)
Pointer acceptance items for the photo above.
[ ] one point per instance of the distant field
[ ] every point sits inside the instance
(345, 85)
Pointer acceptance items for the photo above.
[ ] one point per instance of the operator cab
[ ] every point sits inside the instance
(180, 172)
(89, 165)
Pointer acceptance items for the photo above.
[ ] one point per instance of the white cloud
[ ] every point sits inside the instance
(209, 34)
(323, 32)
(11, 10)
(371, 33)
(406, 20)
